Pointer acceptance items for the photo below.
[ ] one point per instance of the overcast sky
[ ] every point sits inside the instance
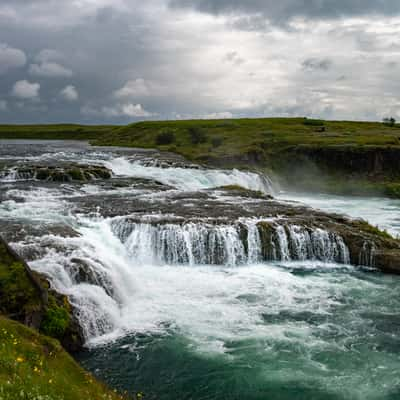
(117, 61)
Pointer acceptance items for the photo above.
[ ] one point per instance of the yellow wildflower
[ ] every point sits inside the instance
(20, 359)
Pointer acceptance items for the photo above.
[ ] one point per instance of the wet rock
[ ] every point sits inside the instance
(84, 272)
(57, 173)
(243, 192)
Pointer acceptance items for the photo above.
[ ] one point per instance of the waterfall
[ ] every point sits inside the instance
(243, 242)
(367, 254)
(190, 179)
(188, 243)
(15, 174)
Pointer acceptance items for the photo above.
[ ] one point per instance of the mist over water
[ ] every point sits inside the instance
(189, 310)
(380, 212)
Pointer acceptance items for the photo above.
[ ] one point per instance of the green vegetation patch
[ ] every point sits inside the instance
(373, 230)
(196, 139)
(18, 297)
(54, 132)
(56, 319)
(35, 367)
(166, 137)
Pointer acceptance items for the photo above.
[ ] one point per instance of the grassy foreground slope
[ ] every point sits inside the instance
(36, 367)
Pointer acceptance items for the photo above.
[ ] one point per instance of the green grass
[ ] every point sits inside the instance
(35, 367)
(267, 136)
(373, 230)
(54, 132)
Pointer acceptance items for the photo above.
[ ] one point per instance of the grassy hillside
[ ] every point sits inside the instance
(361, 158)
(36, 367)
(346, 157)
(61, 131)
(230, 138)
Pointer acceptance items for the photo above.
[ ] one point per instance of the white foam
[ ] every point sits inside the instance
(189, 179)
(208, 304)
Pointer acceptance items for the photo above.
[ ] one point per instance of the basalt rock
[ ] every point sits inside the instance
(59, 173)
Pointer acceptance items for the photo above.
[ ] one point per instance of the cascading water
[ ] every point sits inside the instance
(98, 269)
(234, 244)
(13, 174)
(189, 178)
(191, 305)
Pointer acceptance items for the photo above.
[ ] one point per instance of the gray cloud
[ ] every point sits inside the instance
(118, 110)
(284, 10)
(25, 90)
(3, 105)
(69, 93)
(234, 58)
(10, 58)
(317, 64)
(49, 69)
(117, 61)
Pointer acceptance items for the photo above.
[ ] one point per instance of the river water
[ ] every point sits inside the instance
(182, 310)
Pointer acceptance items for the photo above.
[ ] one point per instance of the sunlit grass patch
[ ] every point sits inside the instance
(35, 367)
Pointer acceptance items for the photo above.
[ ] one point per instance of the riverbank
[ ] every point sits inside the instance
(339, 157)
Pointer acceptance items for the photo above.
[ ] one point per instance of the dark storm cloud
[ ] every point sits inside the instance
(118, 61)
(317, 64)
(284, 10)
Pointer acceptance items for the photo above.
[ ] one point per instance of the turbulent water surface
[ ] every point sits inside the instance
(178, 306)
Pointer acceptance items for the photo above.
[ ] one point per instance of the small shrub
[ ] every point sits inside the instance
(389, 122)
(197, 135)
(217, 141)
(164, 138)
(313, 122)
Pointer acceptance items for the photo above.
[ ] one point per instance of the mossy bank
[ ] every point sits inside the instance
(25, 296)
(33, 363)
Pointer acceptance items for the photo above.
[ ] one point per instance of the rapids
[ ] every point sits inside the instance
(179, 305)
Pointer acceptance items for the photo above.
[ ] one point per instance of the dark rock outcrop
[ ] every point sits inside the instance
(59, 173)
